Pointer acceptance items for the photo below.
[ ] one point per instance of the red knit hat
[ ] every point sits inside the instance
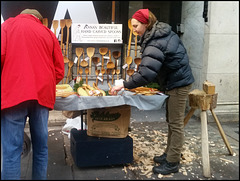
(141, 15)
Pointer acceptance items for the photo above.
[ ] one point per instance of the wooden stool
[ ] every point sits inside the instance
(201, 100)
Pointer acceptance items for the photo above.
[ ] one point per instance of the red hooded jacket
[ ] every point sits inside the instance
(31, 62)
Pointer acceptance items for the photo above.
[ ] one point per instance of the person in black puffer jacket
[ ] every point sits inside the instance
(164, 58)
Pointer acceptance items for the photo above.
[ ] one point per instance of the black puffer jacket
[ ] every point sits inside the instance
(164, 58)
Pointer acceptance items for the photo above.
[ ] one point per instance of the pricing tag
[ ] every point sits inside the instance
(75, 60)
(87, 58)
(125, 66)
(78, 79)
(105, 57)
(99, 64)
(99, 78)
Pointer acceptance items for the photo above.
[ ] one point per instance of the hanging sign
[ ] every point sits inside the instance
(96, 33)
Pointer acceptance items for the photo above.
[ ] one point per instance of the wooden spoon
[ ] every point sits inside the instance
(110, 64)
(79, 52)
(113, 72)
(108, 72)
(116, 55)
(68, 24)
(62, 25)
(84, 63)
(103, 72)
(97, 72)
(45, 22)
(87, 71)
(90, 53)
(130, 72)
(137, 61)
(129, 61)
(135, 42)
(80, 71)
(70, 64)
(96, 60)
(103, 51)
(118, 72)
(55, 25)
(130, 36)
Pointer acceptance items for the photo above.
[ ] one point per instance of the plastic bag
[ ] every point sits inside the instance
(73, 123)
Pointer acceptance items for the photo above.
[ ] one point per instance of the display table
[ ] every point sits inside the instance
(110, 151)
(142, 102)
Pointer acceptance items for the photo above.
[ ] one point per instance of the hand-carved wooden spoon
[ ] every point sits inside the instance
(103, 72)
(84, 63)
(103, 51)
(116, 55)
(97, 72)
(118, 72)
(55, 25)
(113, 72)
(130, 72)
(79, 52)
(110, 64)
(87, 71)
(70, 64)
(96, 60)
(80, 72)
(137, 61)
(129, 61)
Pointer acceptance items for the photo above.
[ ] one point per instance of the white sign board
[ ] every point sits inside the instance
(96, 33)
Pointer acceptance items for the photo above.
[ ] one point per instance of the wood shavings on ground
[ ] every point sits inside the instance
(148, 143)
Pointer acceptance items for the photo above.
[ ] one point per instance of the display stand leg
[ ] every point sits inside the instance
(205, 149)
(189, 115)
(222, 132)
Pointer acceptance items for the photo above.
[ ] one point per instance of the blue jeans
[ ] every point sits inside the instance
(13, 121)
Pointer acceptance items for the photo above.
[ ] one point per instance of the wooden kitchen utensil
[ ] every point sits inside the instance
(137, 61)
(108, 72)
(130, 36)
(103, 72)
(113, 72)
(95, 60)
(103, 51)
(129, 61)
(135, 42)
(79, 52)
(90, 53)
(116, 55)
(97, 72)
(110, 64)
(45, 22)
(62, 25)
(87, 71)
(130, 72)
(118, 72)
(80, 71)
(84, 63)
(68, 24)
(55, 25)
(70, 64)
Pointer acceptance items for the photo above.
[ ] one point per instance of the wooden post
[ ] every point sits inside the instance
(222, 132)
(189, 115)
(205, 150)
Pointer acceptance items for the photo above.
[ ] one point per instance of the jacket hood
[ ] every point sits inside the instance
(158, 30)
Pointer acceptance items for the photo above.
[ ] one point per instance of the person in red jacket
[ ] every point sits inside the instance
(31, 65)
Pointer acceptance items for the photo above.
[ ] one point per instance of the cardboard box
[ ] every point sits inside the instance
(109, 122)
(89, 151)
